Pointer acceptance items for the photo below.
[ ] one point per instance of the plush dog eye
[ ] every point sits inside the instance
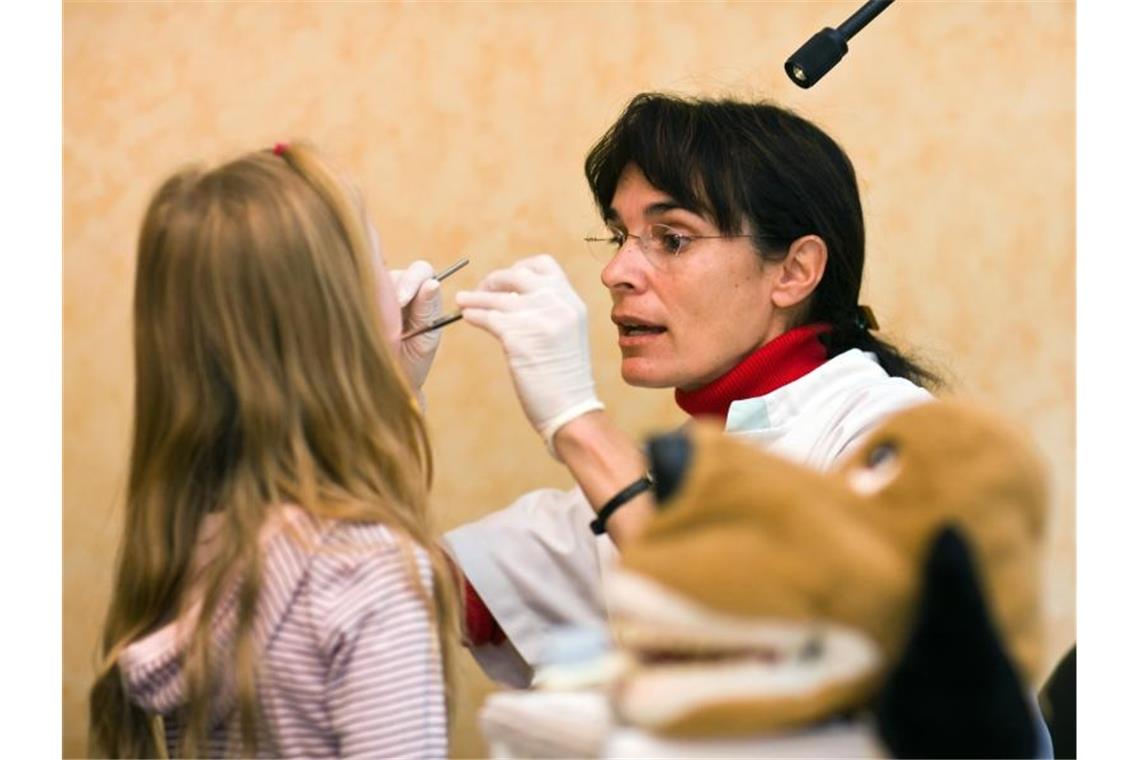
(882, 454)
(878, 468)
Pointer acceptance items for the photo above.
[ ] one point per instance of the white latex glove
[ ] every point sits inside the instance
(541, 322)
(418, 295)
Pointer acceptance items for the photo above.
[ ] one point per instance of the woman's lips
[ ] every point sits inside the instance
(636, 333)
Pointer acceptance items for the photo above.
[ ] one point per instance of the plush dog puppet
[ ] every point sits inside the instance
(764, 596)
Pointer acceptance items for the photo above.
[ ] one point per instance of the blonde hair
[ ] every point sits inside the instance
(262, 376)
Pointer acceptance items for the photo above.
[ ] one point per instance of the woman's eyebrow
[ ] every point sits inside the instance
(662, 207)
(653, 209)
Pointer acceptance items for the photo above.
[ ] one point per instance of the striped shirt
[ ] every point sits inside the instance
(348, 657)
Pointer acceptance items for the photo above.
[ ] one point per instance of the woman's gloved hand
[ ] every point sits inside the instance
(418, 295)
(541, 322)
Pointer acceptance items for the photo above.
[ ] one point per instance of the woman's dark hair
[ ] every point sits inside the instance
(756, 167)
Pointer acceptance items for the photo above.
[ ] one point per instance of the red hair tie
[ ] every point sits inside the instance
(280, 148)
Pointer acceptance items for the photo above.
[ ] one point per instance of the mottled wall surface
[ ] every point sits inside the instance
(466, 125)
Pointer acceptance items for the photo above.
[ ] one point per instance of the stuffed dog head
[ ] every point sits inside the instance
(765, 596)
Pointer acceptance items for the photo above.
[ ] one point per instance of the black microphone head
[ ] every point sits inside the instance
(816, 57)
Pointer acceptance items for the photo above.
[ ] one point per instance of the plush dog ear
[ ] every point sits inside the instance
(669, 457)
(955, 692)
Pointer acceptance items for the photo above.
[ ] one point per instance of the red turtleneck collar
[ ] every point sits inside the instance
(775, 364)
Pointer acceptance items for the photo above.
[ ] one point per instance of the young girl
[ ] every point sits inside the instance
(278, 591)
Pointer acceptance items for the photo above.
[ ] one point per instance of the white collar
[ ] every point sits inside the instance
(775, 409)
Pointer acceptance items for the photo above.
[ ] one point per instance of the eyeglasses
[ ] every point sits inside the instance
(660, 243)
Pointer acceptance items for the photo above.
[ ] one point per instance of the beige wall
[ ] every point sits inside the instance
(467, 126)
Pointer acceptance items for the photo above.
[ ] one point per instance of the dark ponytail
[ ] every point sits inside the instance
(855, 334)
(760, 167)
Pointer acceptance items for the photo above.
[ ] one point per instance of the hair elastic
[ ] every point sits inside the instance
(865, 318)
(280, 148)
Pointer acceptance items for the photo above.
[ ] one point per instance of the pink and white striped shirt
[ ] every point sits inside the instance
(348, 657)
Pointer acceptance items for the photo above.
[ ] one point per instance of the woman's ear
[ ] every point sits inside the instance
(800, 271)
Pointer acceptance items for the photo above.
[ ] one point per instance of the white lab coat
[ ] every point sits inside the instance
(537, 565)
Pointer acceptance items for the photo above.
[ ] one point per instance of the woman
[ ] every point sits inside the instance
(278, 589)
(736, 247)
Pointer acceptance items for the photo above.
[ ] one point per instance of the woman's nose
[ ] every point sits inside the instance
(626, 269)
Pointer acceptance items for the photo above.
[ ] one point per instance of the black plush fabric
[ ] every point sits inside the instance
(954, 693)
(669, 457)
(1059, 705)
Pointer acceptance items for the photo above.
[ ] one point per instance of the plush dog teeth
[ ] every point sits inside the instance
(657, 642)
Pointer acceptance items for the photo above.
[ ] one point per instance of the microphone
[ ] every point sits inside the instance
(819, 55)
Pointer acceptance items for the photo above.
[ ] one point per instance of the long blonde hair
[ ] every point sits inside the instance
(262, 376)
